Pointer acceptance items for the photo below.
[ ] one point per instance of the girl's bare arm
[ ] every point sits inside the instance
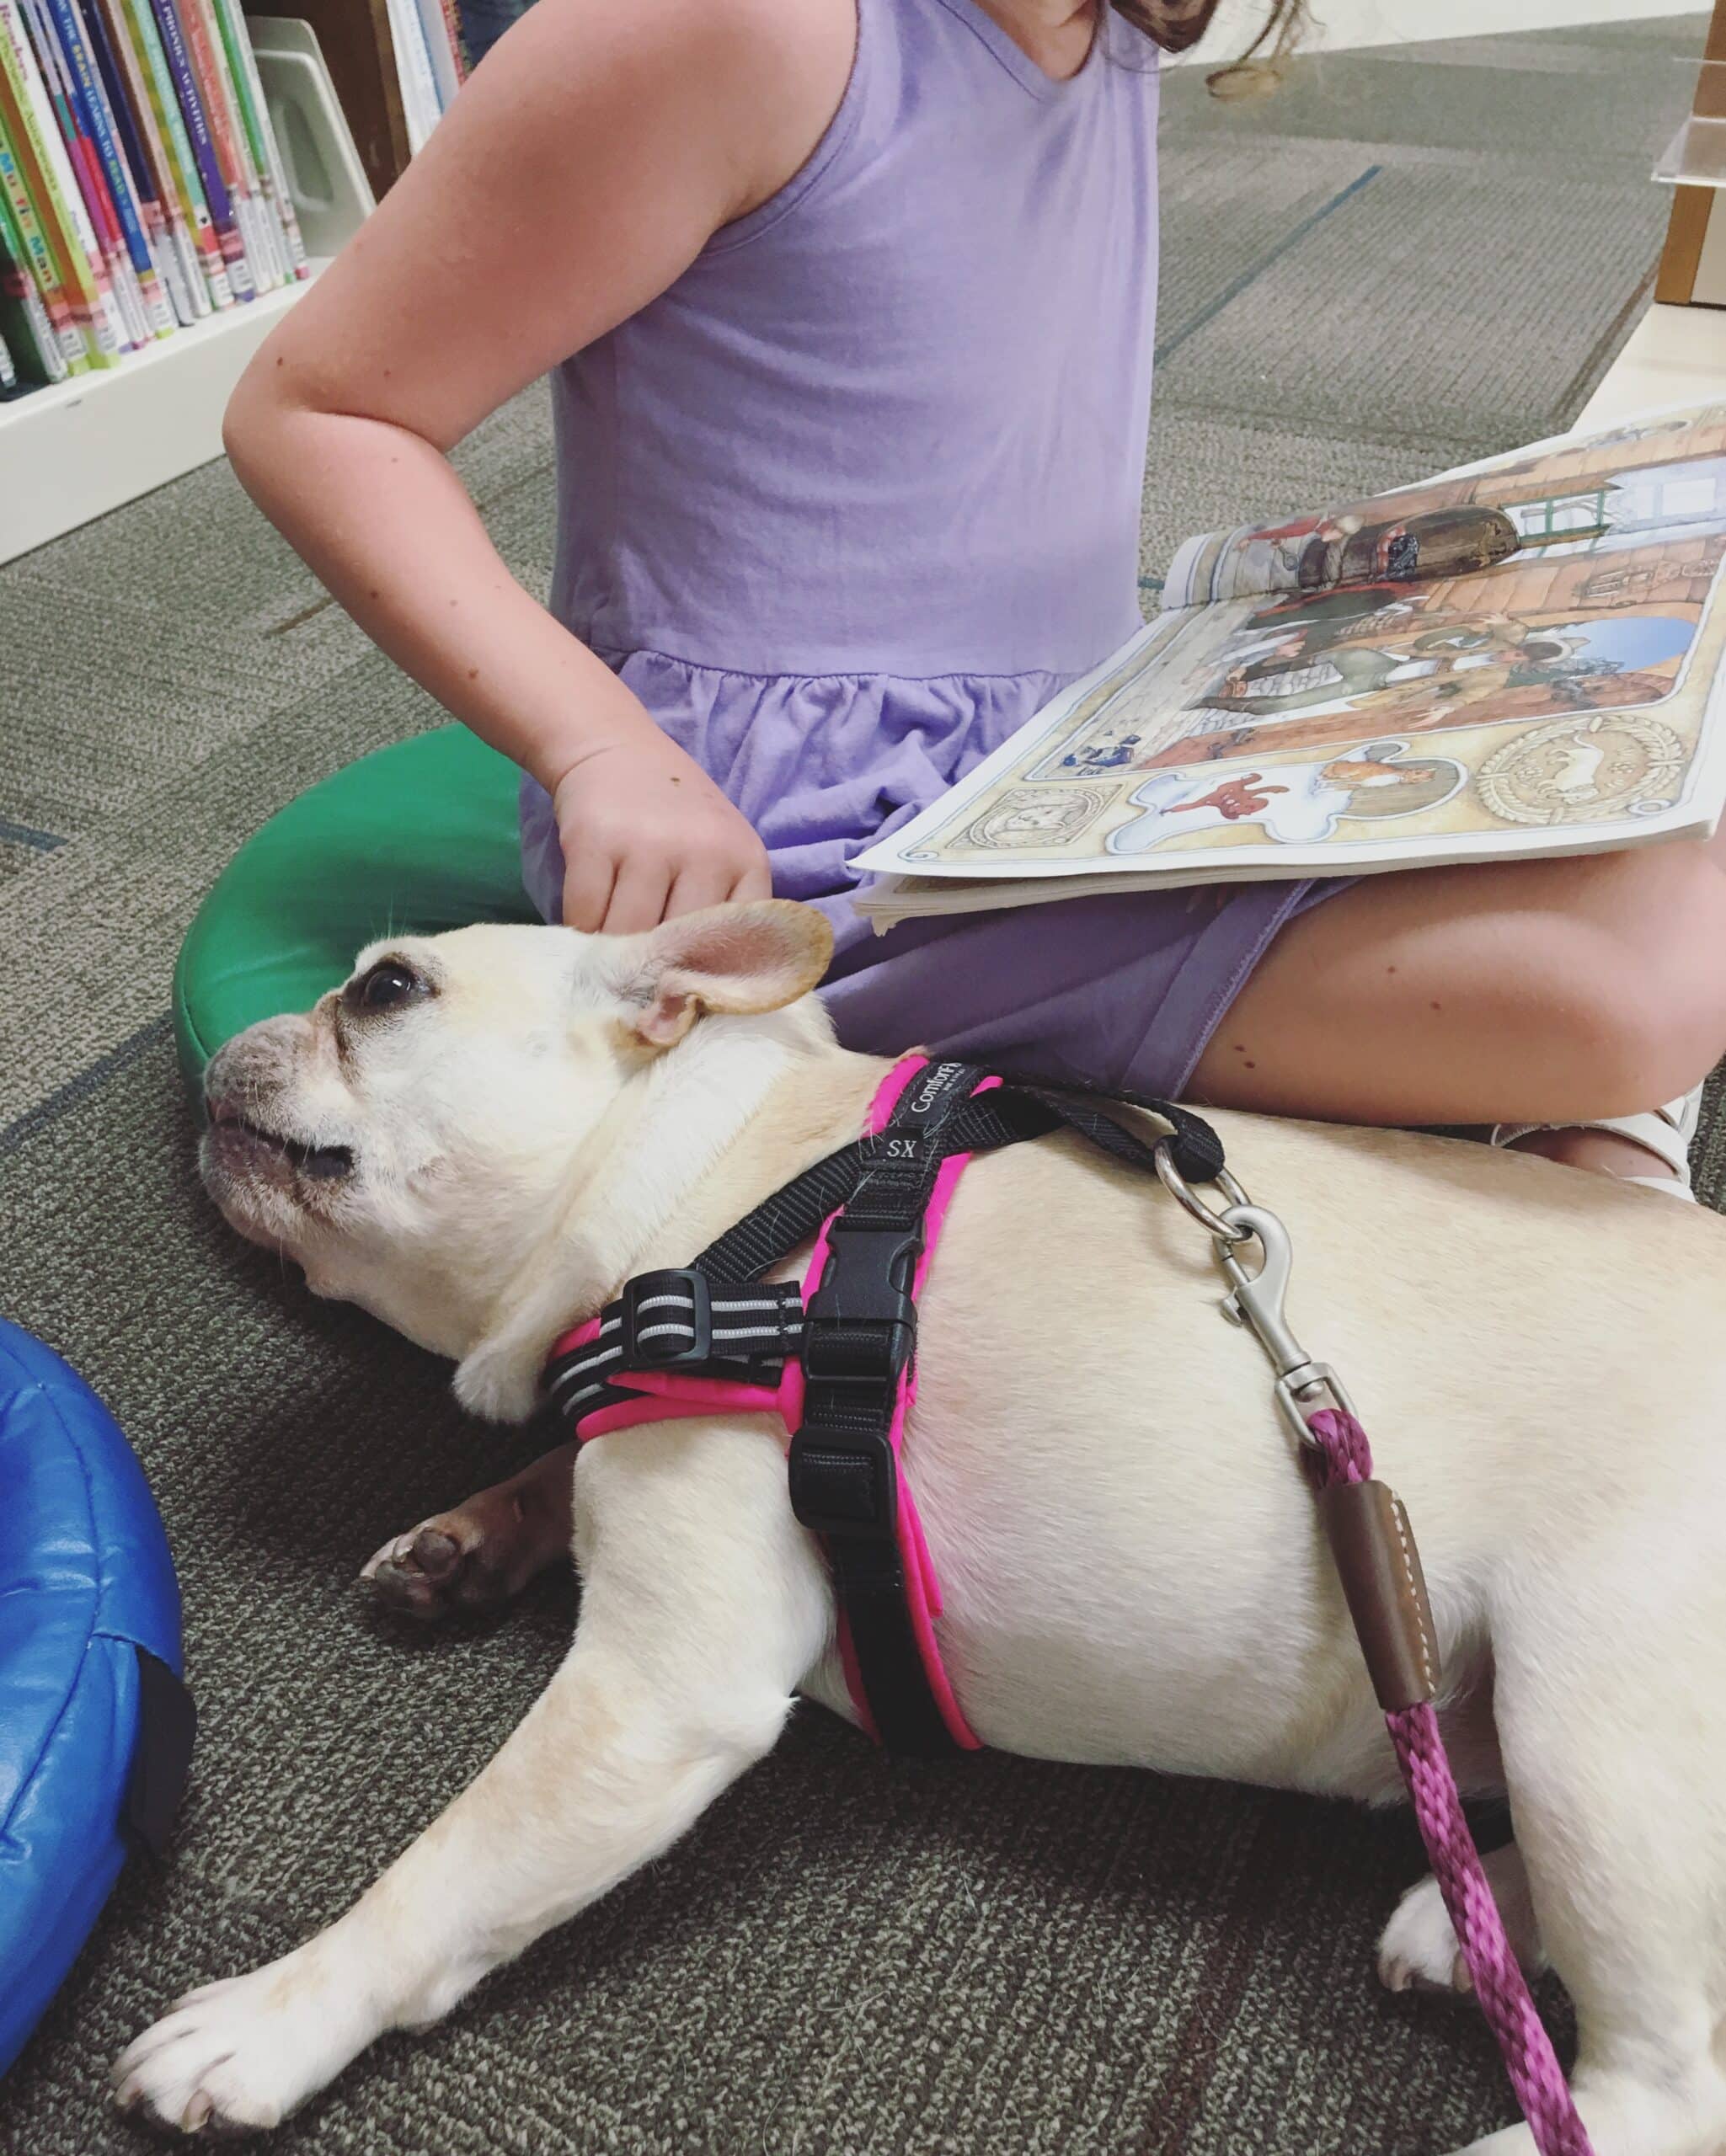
(577, 175)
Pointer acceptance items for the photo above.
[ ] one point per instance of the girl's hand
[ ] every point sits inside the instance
(646, 834)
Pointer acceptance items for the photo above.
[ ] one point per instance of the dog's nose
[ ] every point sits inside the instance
(255, 1062)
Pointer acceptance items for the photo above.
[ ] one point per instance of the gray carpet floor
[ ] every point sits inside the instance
(1408, 258)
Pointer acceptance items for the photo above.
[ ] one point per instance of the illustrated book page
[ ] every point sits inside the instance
(1522, 657)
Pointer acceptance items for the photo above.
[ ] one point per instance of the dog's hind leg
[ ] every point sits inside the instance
(1612, 1717)
(484, 1552)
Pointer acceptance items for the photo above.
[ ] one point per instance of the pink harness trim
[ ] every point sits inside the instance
(667, 1396)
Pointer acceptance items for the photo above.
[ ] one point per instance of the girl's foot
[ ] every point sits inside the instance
(1652, 1149)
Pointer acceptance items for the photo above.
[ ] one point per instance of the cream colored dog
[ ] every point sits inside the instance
(484, 1134)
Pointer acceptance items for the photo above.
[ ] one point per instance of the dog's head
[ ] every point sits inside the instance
(412, 1139)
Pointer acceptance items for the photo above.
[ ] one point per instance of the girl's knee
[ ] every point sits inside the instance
(1556, 992)
(1635, 1009)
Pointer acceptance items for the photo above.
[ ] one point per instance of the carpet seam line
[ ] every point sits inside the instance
(79, 1087)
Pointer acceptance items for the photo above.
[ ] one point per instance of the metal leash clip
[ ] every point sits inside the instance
(1255, 1299)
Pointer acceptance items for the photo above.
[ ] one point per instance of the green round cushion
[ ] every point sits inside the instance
(410, 840)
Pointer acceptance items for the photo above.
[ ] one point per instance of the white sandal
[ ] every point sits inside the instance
(1666, 1132)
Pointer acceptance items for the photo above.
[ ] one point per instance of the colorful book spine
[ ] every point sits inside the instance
(130, 116)
(267, 272)
(121, 196)
(215, 194)
(99, 225)
(36, 347)
(171, 127)
(142, 183)
(266, 153)
(21, 215)
(272, 240)
(47, 208)
(128, 56)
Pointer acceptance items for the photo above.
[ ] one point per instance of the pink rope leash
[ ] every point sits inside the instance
(1344, 1455)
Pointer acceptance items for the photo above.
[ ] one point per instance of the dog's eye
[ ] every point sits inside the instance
(385, 985)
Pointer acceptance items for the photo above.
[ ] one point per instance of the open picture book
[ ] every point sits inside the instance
(1522, 657)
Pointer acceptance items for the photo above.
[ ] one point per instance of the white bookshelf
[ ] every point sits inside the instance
(87, 445)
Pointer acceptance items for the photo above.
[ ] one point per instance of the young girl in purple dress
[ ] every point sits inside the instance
(848, 307)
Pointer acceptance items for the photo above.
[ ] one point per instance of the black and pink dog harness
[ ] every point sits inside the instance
(835, 1356)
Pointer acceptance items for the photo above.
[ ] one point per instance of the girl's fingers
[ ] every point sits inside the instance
(588, 879)
(638, 896)
(756, 881)
(699, 883)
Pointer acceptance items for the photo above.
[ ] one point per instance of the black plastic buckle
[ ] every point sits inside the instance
(844, 1484)
(667, 1319)
(867, 1281)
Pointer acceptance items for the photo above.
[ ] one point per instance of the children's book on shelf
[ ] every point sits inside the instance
(141, 186)
(36, 170)
(443, 45)
(1522, 657)
(427, 59)
(113, 201)
(31, 341)
(420, 104)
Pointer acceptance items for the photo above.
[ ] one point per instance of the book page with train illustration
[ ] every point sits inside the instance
(1522, 657)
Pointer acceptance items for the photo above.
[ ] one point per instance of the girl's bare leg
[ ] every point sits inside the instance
(1543, 991)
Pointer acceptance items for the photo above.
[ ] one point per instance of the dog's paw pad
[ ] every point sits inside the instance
(442, 1567)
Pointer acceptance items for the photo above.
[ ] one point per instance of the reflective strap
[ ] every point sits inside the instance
(740, 1336)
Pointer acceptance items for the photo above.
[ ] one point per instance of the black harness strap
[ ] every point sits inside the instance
(860, 1332)
(1018, 1111)
(857, 1336)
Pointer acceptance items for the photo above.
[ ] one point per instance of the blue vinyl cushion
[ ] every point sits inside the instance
(86, 1582)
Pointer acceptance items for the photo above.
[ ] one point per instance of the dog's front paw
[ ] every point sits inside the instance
(500, 1381)
(238, 2056)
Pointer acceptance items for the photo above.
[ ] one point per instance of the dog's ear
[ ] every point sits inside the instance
(758, 956)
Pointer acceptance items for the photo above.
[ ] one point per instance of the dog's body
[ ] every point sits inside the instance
(1132, 1562)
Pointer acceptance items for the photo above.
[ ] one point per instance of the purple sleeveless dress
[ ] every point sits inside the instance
(861, 490)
